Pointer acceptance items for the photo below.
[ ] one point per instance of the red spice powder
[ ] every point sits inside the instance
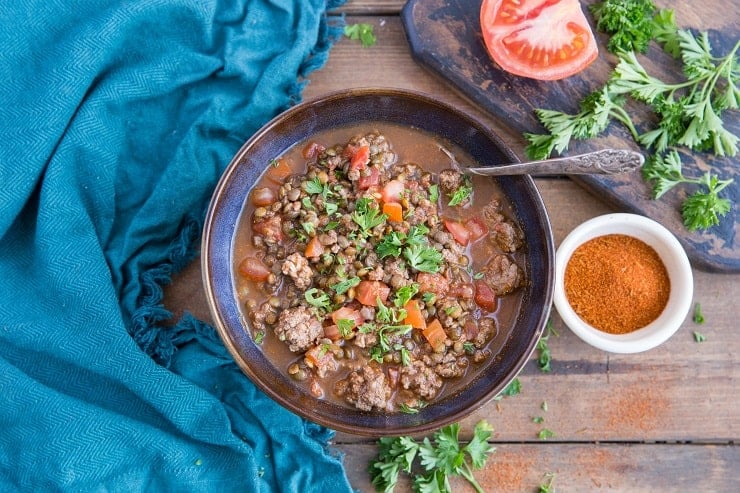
(616, 283)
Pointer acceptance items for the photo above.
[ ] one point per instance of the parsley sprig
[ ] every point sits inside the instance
(440, 458)
(362, 32)
(700, 210)
(689, 114)
(367, 215)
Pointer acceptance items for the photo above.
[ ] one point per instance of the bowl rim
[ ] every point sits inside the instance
(673, 257)
(386, 425)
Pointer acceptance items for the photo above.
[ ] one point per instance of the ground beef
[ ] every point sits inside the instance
(451, 366)
(299, 328)
(366, 388)
(502, 275)
(449, 181)
(503, 232)
(486, 330)
(420, 379)
(296, 266)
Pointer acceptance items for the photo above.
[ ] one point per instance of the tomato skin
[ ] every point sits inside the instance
(458, 231)
(360, 158)
(477, 228)
(347, 313)
(253, 269)
(485, 297)
(392, 191)
(539, 39)
(312, 150)
(368, 292)
(432, 283)
(371, 180)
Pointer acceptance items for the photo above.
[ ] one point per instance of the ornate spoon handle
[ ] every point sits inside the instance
(602, 162)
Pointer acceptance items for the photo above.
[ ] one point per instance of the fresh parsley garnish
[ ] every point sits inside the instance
(546, 486)
(538, 419)
(434, 193)
(361, 31)
(343, 286)
(514, 388)
(699, 337)
(701, 209)
(367, 215)
(440, 458)
(545, 358)
(391, 245)
(423, 258)
(698, 315)
(461, 194)
(545, 434)
(345, 327)
(259, 337)
(630, 23)
(404, 294)
(317, 298)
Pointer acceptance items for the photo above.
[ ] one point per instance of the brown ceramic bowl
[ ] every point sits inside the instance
(341, 109)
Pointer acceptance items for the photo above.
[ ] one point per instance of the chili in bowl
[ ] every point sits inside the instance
(361, 278)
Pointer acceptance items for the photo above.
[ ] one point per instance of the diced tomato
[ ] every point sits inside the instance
(279, 170)
(414, 317)
(367, 292)
(371, 180)
(312, 150)
(485, 296)
(262, 196)
(435, 334)
(392, 191)
(253, 269)
(432, 283)
(458, 231)
(271, 229)
(332, 332)
(394, 211)
(360, 158)
(348, 313)
(477, 228)
(314, 248)
(546, 40)
(462, 290)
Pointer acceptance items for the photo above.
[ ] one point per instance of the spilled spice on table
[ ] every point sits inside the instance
(616, 283)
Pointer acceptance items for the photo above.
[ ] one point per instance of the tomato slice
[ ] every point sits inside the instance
(540, 39)
(392, 191)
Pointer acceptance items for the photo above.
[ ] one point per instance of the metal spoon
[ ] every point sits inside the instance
(602, 162)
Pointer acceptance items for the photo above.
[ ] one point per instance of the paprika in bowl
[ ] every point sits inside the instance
(623, 283)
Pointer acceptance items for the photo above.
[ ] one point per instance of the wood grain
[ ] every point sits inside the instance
(445, 37)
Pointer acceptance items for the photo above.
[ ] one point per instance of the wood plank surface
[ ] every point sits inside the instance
(664, 420)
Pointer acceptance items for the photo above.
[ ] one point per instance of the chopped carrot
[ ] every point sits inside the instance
(314, 248)
(435, 334)
(414, 317)
(394, 211)
(279, 170)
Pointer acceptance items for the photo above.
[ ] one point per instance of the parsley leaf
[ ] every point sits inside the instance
(423, 258)
(404, 294)
(367, 215)
(629, 21)
(514, 388)
(317, 298)
(699, 337)
(363, 32)
(343, 286)
(391, 245)
(698, 315)
(545, 434)
(345, 327)
(545, 358)
(460, 195)
(434, 193)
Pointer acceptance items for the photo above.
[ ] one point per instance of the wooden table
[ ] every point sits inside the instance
(664, 420)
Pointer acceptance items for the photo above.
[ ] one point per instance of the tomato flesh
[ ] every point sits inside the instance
(539, 39)
(368, 292)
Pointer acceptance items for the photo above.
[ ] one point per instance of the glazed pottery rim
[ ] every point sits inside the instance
(677, 265)
(232, 326)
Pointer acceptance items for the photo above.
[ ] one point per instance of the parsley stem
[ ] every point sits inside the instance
(468, 474)
(622, 116)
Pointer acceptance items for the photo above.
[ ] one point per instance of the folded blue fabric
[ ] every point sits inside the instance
(116, 120)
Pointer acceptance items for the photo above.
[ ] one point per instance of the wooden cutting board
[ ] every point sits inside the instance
(445, 37)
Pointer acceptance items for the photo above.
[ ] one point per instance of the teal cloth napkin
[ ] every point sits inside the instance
(116, 120)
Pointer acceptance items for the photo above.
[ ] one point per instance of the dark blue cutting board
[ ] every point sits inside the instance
(445, 37)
